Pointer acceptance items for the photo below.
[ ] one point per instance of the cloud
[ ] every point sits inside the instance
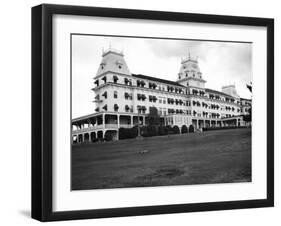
(220, 62)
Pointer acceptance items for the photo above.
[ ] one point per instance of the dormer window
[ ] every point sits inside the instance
(102, 65)
(119, 64)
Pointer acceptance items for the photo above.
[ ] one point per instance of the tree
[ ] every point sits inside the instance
(248, 118)
(153, 117)
(108, 136)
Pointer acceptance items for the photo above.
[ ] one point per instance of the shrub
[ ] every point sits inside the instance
(184, 129)
(108, 136)
(176, 130)
(149, 131)
(191, 129)
(169, 129)
(162, 130)
(127, 133)
(95, 140)
(222, 128)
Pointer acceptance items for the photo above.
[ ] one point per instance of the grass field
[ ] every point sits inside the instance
(211, 157)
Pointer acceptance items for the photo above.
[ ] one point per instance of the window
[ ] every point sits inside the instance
(102, 65)
(104, 95)
(115, 94)
(140, 83)
(127, 108)
(128, 96)
(116, 107)
(152, 98)
(105, 107)
(115, 79)
(141, 97)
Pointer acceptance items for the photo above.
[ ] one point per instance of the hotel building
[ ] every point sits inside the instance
(123, 99)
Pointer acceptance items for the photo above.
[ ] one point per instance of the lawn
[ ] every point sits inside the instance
(197, 158)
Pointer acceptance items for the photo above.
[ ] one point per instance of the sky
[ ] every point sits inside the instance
(221, 63)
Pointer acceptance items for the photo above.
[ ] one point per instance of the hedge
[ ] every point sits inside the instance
(222, 128)
(149, 131)
(128, 133)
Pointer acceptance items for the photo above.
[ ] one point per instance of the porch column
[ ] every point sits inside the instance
(143, 117)
(118, 121)
(103, 120)
(131, 120)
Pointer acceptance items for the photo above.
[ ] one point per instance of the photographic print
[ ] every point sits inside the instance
(159, 112)
(138, 112)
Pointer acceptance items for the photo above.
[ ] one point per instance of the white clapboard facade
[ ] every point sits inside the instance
(123, 99)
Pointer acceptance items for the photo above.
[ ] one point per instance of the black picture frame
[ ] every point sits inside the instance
(42, 111)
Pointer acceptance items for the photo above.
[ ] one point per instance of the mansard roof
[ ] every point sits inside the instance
(140, 76)
(217, 92)
(245, 99)
(113, 61)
